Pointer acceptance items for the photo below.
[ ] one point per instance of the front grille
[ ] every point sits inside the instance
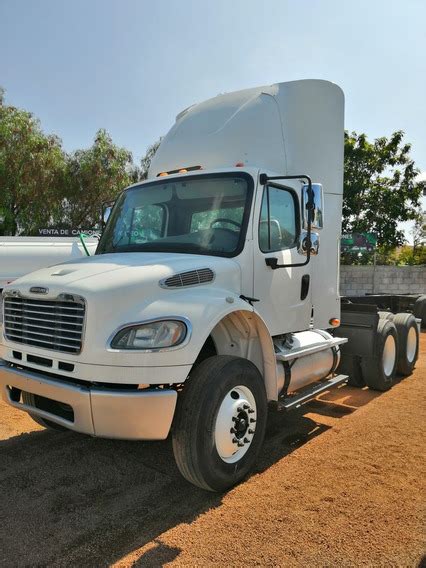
(50, 324)
(190, 278)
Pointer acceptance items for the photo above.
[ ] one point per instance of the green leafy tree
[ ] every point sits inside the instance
(380, 189)
(411, 255)
(94, 176)
(146, 160)
(419, 231)
(32, 166)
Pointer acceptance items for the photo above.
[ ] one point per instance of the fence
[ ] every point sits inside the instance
(360, 280)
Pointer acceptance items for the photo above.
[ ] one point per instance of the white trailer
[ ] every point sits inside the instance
(21, 255)
(213, 292)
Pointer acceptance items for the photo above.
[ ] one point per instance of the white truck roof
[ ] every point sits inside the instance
(278, 128)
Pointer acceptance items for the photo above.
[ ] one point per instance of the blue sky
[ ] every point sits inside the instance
(131, 65)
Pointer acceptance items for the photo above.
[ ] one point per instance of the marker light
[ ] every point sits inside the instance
(335, 322)
(239, 164)
(181, 171)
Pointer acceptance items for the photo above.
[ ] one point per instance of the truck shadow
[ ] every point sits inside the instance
(73, 500)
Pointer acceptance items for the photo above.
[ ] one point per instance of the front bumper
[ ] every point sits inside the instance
(107, 413)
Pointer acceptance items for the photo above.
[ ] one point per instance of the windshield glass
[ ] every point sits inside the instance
(201, 215)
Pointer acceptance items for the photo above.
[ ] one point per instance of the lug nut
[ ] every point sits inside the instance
(240, 444)
(250, 431)
(240, 409)
(233, 431)
(246, 440)
(246, 406)
(233, 419)
(235, 441)
(250, 411)
(252, 420)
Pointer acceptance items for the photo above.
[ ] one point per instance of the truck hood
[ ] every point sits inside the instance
(126, 288)
(109, 272)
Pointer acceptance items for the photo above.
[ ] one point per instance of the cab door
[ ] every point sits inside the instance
(284, 294)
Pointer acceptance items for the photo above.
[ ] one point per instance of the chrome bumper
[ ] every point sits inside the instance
(107, 413)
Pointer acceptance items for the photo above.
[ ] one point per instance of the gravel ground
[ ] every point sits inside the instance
(340, 482)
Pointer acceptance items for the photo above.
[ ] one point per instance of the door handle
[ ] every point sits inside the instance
(304, 289)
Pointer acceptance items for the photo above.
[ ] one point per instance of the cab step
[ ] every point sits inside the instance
(296, 400)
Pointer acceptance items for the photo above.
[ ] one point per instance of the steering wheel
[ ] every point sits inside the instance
(223, 220)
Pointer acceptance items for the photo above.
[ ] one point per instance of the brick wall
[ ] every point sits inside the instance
(359, 280)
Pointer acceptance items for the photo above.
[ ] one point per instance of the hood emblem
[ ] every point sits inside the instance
(39, 290)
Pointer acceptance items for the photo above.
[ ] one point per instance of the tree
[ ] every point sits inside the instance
(31, 171)
(94, 176)
(419, 231)
(146, 160)
(379, 187)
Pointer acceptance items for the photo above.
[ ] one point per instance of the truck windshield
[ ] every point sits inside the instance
(205, 214)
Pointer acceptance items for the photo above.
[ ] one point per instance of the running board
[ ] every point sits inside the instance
(309, 393)
(303, 351)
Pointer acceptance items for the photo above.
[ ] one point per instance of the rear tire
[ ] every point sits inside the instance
(419, 309)
(220, 422)
(408, 342)
(28, 398)
(379, 371)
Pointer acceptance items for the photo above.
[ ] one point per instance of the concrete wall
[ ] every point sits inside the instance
(359, 280)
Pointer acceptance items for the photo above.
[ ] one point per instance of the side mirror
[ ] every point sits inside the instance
(318, 210)
(303, 243)
(106, 212)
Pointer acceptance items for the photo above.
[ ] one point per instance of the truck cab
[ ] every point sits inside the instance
(212, 292)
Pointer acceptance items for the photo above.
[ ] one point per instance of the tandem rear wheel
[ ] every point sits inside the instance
(396, 352)
(379, 371)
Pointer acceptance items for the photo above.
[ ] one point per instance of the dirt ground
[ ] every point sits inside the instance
(340, 482)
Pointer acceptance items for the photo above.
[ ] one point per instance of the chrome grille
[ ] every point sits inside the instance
(190, 278)
(50, 324)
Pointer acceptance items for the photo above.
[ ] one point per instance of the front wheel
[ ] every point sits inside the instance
(220, 422)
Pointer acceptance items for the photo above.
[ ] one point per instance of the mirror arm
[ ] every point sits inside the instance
(272, 262)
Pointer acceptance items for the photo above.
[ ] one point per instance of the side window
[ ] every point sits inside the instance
(279, 230)
(147, 224)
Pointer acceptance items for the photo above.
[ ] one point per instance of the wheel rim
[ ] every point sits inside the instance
(411, 344)
(235, 424)
(389, 355)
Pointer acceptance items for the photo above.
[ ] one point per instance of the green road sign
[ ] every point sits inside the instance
(358, 242)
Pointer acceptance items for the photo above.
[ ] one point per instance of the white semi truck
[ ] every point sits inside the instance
(214, 292)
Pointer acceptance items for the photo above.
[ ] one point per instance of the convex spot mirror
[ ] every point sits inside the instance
(318, 210)
(106, 212)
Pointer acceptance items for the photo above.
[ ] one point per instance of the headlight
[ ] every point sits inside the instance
(153, 335)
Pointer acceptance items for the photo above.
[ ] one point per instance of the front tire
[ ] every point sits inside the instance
(220, 422)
